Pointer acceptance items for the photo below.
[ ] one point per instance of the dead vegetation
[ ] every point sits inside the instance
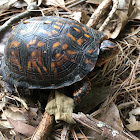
(114, 102)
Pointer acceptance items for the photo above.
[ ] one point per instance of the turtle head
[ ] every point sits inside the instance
(108, 50)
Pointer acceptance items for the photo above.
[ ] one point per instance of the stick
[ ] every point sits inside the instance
(96, 16)
(45, 126)
(101, 128)
(114, 8)
(9, 22)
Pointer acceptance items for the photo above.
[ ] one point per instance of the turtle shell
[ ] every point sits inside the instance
(50, 53)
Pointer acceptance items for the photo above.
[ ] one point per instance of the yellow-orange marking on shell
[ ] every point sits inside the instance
(15, 43)
(65, 57)
(96, 31)
(77, 25)
(32, 54)
(47, 22)
(73, 60)
(56, 44)
(45, 69)
(65, 46)
(71, 52)
(59, 23)
(26, 21)
(80, 41)
(87, 61)
(90, 51)
(85, 29)
(27, 45)
(87, 36)
(35, 65)
(17, 62)
(58, 55)
(71, 36)
(29, 65)
(62, 20)
(52, 65)
(54, 32)
(10, 36)
(58, 64)
(12, 53)
(32, 42)
(56, 27)
(76, 29)
(40, 44)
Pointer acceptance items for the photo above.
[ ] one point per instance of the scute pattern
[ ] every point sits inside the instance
(50, 52)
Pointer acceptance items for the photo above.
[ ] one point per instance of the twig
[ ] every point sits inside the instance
(8, 23)
(75, 3)
(115, 5)
(65, 132)
(133, 33)
(101, 128)
(45, 126)
(20, 100)
(96, 16)
(74, 134)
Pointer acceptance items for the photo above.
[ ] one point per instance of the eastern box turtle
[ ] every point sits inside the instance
(53, 52)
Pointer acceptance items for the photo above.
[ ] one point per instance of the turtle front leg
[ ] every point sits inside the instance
(81, 92)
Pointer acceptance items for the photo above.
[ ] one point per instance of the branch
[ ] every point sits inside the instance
(14, 19)
(101, 128)
(96, 16)
(45, 126)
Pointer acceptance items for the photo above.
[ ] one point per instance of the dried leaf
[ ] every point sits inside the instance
(11, 113)
(124, 10)
(123, 4)
(111, 117)
(76, 16)
(6, 4)
(21, 127)
(62, 107)
(134, 124)
(84, 17)
(120, 23)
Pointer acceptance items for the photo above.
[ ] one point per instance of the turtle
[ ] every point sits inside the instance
(48, 52)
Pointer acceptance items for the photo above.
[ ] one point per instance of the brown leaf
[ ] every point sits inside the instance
(21, 127)
(111, 117)
(120, 23)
